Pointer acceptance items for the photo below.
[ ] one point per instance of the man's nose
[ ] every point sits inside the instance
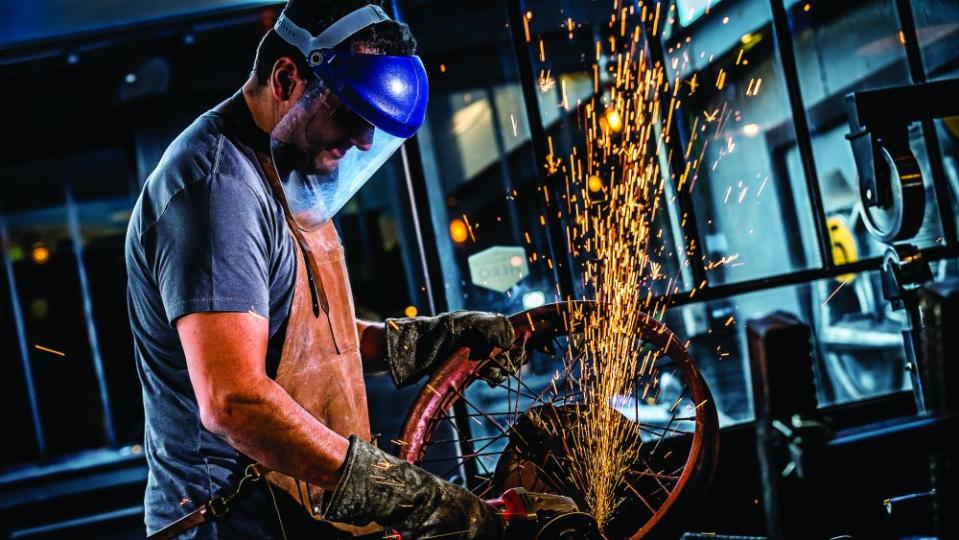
(363, 139)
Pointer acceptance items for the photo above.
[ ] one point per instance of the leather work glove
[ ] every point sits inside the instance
(415, 346)
(376, 486)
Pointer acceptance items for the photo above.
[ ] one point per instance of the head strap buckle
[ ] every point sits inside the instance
(334, 34)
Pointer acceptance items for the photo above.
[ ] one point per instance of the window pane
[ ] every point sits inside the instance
(937, 25)
(859, 345)
(754, 217)
(841, 48)
(574, 62)
(42, 255)
(481, 173)
(103, 189)
(860, 341)
(690, 10)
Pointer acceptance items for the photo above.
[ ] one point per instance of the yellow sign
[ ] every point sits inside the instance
(952, 125)
(844, 249)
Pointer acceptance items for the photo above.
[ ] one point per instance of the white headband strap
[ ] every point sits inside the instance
(335, 34)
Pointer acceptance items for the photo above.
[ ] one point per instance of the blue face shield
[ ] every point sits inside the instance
(349, 121)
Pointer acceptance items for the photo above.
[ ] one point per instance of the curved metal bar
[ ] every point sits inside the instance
(448, 384)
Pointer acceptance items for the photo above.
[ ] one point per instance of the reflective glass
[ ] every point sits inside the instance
(754, 217)
(841, 48)
(480, 169)
(858, 341)
(690, 10)
(42, 256)
(937, 27)
(571, 46)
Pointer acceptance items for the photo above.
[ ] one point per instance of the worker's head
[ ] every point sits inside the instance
(347, 91)
(282, 72)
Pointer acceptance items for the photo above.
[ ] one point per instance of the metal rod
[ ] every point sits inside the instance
(74, 224)
(432, 274)
(692, 239)
(797, 278)
(21, 337)
(424, 227)
(782, 36)
(524, 63)
(464, 431)
(917, 72)
(419, 223)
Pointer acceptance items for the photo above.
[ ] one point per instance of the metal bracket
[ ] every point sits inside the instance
(904, 271)
(890, 181)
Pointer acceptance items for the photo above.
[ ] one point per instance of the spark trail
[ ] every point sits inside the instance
(614, 228)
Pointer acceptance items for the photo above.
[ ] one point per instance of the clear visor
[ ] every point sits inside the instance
(324, 153)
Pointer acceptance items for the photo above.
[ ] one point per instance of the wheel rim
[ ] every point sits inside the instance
(451, 381)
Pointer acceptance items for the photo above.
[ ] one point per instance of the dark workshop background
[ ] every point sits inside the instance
(92, 93)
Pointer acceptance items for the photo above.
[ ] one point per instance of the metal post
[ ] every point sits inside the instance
(21, 337)
(524, 63)
(74, 224)
(692, 240)
(782, 35)
(423, 227)
(917, 72)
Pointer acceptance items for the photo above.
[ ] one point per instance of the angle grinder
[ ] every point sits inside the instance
(532, 516)
(544, 516)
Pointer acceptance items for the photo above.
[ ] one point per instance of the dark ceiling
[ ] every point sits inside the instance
(24, 22)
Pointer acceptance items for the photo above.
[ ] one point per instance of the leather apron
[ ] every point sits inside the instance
(320, 364)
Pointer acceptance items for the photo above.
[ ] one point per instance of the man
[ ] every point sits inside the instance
(245, 338)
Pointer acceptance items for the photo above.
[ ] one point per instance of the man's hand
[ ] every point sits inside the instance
(379, 487)
(416, 346)
(226, 359)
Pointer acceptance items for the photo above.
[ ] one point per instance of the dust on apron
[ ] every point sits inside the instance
(320, 366)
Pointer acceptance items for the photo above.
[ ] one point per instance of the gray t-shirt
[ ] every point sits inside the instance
(206, 235)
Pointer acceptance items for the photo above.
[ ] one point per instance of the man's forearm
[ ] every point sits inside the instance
(270, 427)
(372, 346)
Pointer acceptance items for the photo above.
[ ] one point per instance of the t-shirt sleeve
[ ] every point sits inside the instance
(212, 250)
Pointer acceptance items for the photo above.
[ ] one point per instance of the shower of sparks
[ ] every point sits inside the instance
(615, 202)
(616, 226)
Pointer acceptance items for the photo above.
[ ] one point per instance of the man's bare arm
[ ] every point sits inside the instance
(225, 354)
(372, 346)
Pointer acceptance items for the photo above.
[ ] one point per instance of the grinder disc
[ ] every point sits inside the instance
(572, 526)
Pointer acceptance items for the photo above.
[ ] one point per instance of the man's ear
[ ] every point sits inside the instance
(286, 82)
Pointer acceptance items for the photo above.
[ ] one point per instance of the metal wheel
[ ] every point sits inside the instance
(902, 218)
(516, 433)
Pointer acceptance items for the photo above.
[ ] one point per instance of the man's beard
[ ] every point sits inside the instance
(289, 157)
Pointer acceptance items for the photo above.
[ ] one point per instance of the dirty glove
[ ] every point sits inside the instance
(378, 487)
(415, 346)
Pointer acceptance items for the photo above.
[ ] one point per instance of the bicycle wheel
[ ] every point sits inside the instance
(518, 432)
